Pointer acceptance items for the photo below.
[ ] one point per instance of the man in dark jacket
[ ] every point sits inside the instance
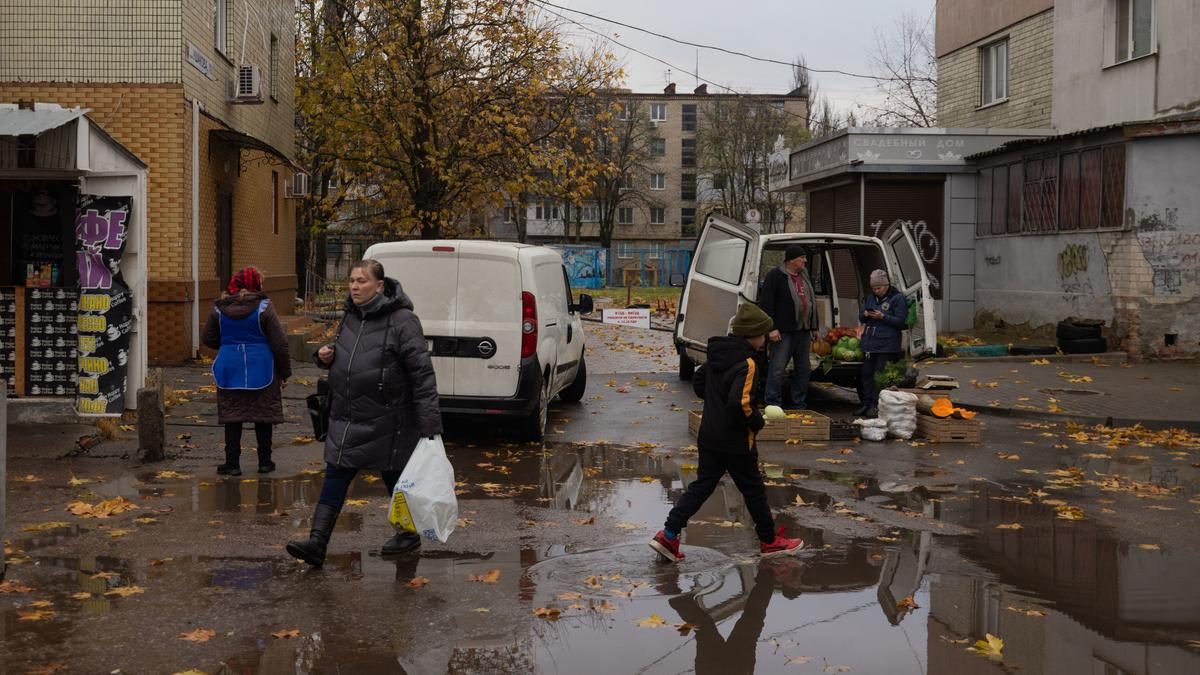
(787, 297)
(727, 436)
(884, 317)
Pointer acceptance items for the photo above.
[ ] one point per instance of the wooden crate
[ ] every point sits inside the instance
(948, 430)
(810, 426)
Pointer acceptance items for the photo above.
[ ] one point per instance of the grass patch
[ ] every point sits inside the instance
(637, 294)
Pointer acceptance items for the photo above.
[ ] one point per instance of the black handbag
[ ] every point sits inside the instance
(318, 408)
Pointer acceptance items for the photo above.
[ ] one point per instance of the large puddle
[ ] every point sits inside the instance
(884, 592)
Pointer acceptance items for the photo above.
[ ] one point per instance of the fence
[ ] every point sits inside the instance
(593, 267)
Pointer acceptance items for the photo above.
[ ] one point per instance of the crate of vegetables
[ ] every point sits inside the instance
(840, 344)
(803, 425)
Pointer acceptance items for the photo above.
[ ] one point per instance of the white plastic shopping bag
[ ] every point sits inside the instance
(423, 501)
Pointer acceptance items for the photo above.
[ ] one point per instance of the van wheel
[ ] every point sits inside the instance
(687, 367)
(574, 393)
(535, 424)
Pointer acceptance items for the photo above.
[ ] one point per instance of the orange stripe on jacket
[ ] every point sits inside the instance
(747, 387)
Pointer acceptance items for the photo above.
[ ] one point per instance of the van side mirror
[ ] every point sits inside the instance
(584, 306)
(677, 280)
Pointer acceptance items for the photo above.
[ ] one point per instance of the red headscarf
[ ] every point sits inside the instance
(249, 279)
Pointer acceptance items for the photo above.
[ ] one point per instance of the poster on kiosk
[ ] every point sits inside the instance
(105, 304)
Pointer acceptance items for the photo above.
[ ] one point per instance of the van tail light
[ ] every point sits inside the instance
(529, 325)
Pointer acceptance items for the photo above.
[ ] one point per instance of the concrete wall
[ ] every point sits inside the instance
(90, 41)
(1030, 74)
(961, 22)
(1090, 90)
(1043, 279)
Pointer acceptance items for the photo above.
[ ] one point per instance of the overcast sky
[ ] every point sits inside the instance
(830, 34)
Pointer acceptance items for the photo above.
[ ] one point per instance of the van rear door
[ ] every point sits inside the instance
(725, 256)
(488, 325)
(428, 272)
(906, 259)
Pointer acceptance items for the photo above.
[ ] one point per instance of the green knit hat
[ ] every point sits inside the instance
(751, 321)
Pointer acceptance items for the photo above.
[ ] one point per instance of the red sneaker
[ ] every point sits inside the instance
(667, 549)
(781, 545)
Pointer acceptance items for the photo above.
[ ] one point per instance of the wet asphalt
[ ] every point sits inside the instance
(1077, 552)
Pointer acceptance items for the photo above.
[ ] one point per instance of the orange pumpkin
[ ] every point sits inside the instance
(965, 414)
(942, 407)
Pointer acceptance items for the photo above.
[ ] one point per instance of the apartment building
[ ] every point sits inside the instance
(1101, 218)
(202, 92)
(674, 193)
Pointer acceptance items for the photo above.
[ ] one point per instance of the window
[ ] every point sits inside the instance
(658, 215)
(1040, 194)
(722, 257)
(274, 202)
(273, 68)
(589, 212)
(718, 181)
(687, 187)
(624, 112)
(658, 112)
(656, 250)
(546, 211)
(625, 215)
(688, 148)
(688, 117)
(776, 105)
(626, 181)
(1135, 29)
(510, 214)
(658, 181)
(624, 250)
(221, 25)
(658, 147)
(687, 216)
(993, 72)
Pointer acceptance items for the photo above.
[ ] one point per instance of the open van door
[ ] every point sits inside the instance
(906, 259)
(723, 268)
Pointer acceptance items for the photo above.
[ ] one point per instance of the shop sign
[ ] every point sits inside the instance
(105, 315)
(638, 318)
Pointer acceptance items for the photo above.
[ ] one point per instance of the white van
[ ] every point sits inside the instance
(731, 260)
(505, 333)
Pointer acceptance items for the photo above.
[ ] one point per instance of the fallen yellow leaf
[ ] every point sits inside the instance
(547, 612)
(198, 635)
(652, 621)
(417, 582)
(489, 577)
(126, 591)
(1008, 526)
(991, 647)
(34, 614)
(286, 634)
(45, 527)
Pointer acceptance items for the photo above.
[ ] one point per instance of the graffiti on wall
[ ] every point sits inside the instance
(1175, 258)
(927, 244)
(585, 266)
(1073, 267)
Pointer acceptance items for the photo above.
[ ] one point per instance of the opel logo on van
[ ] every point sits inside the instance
(486, 348)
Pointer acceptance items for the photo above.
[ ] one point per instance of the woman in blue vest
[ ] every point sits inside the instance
(251, 368)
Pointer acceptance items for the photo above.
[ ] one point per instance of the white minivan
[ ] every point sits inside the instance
(731, 260)
(504, 331)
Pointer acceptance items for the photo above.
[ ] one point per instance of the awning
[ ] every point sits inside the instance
(20, 122)
(240, 140)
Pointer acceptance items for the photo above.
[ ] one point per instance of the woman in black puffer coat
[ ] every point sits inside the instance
(384, 400)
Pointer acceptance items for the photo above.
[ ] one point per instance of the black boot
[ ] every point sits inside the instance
(312, 550)
(265, 465)
(862, 410)
(400, 543)
(233, 463)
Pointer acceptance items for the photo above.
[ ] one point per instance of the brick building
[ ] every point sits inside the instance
(677, 193)
(202, 91)
(1101, 218)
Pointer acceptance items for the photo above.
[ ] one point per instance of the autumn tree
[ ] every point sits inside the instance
(440, 105)
(734, 147)
(622, 150)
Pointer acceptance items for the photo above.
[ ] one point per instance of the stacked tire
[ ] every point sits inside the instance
(1081, 336)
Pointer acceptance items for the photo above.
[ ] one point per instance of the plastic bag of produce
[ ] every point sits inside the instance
(873, 430)
(899, 410)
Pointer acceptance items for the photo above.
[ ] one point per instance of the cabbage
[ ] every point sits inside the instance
(774, 412)
(853, 343)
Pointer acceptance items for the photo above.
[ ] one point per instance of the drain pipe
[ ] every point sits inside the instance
(195, 227)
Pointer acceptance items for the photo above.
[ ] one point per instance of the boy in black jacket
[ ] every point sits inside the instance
(727, 436)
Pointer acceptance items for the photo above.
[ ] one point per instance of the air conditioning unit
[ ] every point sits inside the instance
(299, 186)
(247, 88)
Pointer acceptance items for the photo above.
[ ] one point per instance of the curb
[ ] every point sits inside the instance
(1107, 357)
(991, 411)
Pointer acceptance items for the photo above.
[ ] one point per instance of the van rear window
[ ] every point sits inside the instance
(722, 257)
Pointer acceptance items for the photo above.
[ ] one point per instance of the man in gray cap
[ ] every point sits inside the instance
(787, 297)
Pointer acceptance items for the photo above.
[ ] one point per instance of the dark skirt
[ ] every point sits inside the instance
(251, 405)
